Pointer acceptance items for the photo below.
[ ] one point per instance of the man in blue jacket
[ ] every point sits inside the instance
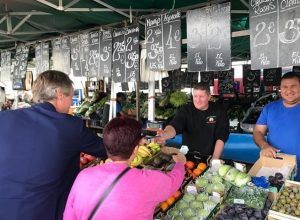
(39, 151)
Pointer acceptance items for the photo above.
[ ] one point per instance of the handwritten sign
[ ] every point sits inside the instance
(61, 54)
(94, 53)
(42, 57)
(125, 55)
(163, 41)
(21, 61)
(209, 38)
(5, 66)
(105, 53)
(272, 77)
(226, 82)
(84, 54)
(274, 33)
(167, 84)
(208, 77)
(251, 80)
(75, 55)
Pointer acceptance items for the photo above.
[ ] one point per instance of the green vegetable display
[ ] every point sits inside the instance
(178, 99)
(251, 196)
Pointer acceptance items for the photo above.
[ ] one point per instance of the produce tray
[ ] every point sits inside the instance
(274, 215)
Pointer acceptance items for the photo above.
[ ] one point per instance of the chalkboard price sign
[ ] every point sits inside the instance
(272, 76)
(296, 69)
(94, 53)
(209, 38)
(21, 62)
(61, 54)
(144, 86)
(118, 55)
(124, 86)
(177, 79)
(65, 55)
(274, 33)
(132, 54)
(5, 65)
(251, 79)
(166, 84)
(42, 57)
(208, 77)
(105, 53)
(84, 53)
(75, 55)
(163, 41)
(226, 82)
(125, 54)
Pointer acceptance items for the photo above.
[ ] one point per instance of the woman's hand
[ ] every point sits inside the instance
(179, 158)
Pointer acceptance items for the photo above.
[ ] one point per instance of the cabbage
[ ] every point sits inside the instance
(188, 198)
(202, 197)
(201, 182)
(182, 205)
(188, 213)
(223, 170)
(216, 179)
(231, 175)
(209, 188)
(218, 187)
(196, 204)
(241, 179)
(202, 213)
(173, 212)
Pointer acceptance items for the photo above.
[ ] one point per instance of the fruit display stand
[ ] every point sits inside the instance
(287, 203)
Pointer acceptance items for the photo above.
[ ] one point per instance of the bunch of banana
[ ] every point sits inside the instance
(155, 147)
(136, 161)
(144, 151)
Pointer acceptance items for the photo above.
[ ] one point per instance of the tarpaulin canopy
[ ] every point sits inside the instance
(29, 21)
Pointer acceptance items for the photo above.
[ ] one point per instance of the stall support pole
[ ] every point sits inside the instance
(151, 101)
(113, 101)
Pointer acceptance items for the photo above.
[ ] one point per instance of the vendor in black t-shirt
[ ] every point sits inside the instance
(204, 125)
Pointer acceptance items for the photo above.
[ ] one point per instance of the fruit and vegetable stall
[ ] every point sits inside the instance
(224, 189)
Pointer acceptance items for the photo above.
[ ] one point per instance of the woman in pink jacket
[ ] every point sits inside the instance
(137, 192)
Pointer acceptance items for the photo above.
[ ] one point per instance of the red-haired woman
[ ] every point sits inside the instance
(137, 192)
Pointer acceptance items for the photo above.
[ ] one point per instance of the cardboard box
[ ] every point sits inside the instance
(274, 215)
(266, 166)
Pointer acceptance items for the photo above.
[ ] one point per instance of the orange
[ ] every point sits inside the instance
(202, 166)
(190, 164)
(177, 194)
(171, 200)
(197, 172)
(189, 172)
(164, 206)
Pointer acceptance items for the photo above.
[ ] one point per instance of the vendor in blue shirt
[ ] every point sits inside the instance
(121, 99)
(280, 120)
(39, 151)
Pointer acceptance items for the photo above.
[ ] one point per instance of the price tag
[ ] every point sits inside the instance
(216, 197)
(239, 201)
(191, 190)
(215, 164)
(240, 166)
